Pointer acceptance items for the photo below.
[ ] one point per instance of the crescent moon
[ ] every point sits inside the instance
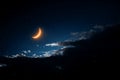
(38, 34)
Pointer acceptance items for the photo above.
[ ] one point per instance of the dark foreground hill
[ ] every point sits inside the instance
(91, 58)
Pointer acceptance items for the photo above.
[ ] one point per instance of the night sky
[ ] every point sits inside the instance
(19, 20)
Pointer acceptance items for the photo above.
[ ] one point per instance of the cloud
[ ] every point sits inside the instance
(22, 54)
(59, 67)
(81, 36)
(34, 55)
(74, 33)
(77, 39)
(99, 27)
(29, 51)
(87, 34)
(17, 55)
(52, 53)
(3, 65)
(52, 44)
(47, 54)
(26, 51)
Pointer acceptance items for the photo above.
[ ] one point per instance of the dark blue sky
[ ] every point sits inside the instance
(58, 20)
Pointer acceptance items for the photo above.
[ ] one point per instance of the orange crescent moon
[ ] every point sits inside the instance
(38, 34)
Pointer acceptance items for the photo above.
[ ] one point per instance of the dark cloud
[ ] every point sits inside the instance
(99, 48)
(81, 37)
